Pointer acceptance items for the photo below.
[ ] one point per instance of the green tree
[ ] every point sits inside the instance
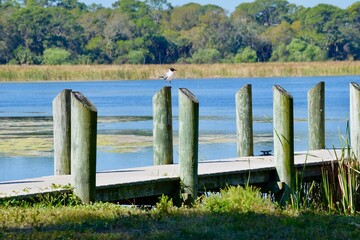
(157, 9)
(140, 14)
(249, 32)
(117, 27)
(280, 34)
(31, 25)
(64, 31)
(23, 55)
(327, 21)
(217, 31)
(93, 22)
(70, 4)
(95, 48)
(352, 32)
(318, 17)
(98, 34)
(265, 12)
(184, 17)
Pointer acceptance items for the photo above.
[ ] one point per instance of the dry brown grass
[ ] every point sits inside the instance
(140, 72)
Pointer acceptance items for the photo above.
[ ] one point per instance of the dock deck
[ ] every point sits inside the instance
(142, 182)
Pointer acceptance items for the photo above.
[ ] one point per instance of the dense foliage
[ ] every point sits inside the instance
(153, 31)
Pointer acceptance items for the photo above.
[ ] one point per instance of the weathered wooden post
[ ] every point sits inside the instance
(62, 132)
(188, 144)
(162, 130)
(355, 118)
(244, 125)
(283, 116)
(83, 146)
(316, 116)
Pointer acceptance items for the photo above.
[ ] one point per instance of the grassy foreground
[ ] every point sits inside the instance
(139, 72)
(240, 213)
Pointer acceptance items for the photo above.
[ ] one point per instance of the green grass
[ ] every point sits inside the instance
(234, 213)
(103, 221)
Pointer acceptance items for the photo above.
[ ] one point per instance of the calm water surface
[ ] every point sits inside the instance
(217, 114)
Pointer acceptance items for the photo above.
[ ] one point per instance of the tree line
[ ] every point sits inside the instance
(154, 32)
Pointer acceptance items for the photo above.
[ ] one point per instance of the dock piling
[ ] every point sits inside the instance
(244, 125)
(355, 118)
(62, 132)
(283, 116)
(83, 146)
(188, 144)
(162, 129)
(316, 116)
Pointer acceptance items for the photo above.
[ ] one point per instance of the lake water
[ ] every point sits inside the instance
(134, 98)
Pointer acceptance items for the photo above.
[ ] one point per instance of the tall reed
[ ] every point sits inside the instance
(185, 71)
(341, 182)
(303, 196)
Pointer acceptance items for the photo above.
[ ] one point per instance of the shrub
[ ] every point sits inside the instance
(165, 206)
(239, 199)
(300, 51)
(56, 56)
(206, 56)
(247, 55)
(136, 57)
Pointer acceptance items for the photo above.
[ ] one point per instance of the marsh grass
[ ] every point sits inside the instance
(140, 72)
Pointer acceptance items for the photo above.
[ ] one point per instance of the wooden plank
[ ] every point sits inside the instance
(140, 182)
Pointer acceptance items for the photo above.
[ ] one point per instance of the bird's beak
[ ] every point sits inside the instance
(175, 70)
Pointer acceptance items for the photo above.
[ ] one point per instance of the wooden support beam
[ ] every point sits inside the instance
(188, 144)
(162, 130)
(244, 124)
(355, 118)
(62, 132)
(283, 116)
(316, 116)
(83, 147)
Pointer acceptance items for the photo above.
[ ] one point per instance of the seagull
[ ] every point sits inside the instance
(169, 75)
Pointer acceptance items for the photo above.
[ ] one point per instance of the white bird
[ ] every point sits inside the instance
(169, 75)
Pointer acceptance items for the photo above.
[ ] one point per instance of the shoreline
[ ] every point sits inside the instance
(63, 73)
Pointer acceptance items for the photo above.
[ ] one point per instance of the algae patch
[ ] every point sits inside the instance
(33, 136)
(123, 143)
(27, 146)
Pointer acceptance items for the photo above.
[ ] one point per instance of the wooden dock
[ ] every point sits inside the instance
(146, 182)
